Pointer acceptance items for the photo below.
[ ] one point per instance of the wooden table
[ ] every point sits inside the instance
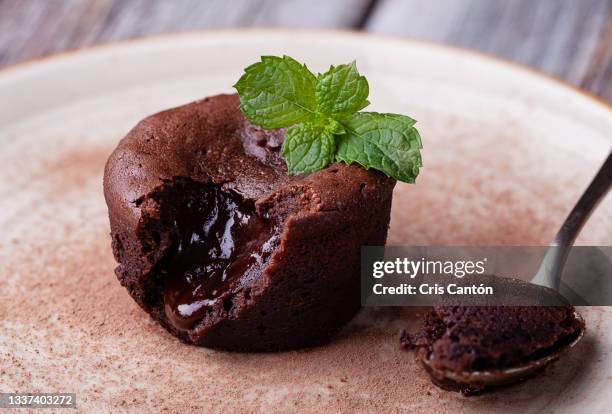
(571, 39)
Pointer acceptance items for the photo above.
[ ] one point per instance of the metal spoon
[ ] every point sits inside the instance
(549, 273)
(549, 276)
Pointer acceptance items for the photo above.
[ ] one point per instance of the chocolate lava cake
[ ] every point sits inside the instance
(225, 249)
(489, 338)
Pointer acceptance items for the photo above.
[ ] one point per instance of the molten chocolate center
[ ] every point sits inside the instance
(221, 245)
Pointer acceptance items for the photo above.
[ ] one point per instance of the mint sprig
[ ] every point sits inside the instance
(324, 123)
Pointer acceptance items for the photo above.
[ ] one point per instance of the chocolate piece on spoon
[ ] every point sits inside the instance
(471, 348)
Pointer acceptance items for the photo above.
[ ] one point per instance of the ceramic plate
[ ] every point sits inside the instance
(506, 154)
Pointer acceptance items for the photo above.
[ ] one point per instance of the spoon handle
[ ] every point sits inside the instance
(549, 273)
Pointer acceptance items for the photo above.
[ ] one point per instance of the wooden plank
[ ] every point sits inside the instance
(557, 36)
(32, 28)
(566, 38)
(311, 13)
(598, 76)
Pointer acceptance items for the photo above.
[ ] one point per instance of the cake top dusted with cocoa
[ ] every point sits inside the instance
(211, 141)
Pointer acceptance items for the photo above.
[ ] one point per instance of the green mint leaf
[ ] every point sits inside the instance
(385, 142)
(277, 92)
(308, 148)
(341, 90)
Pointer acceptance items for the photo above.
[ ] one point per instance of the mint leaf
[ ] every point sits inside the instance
(341, 90)
(308, 148)
(385, 142)
(277, 92)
